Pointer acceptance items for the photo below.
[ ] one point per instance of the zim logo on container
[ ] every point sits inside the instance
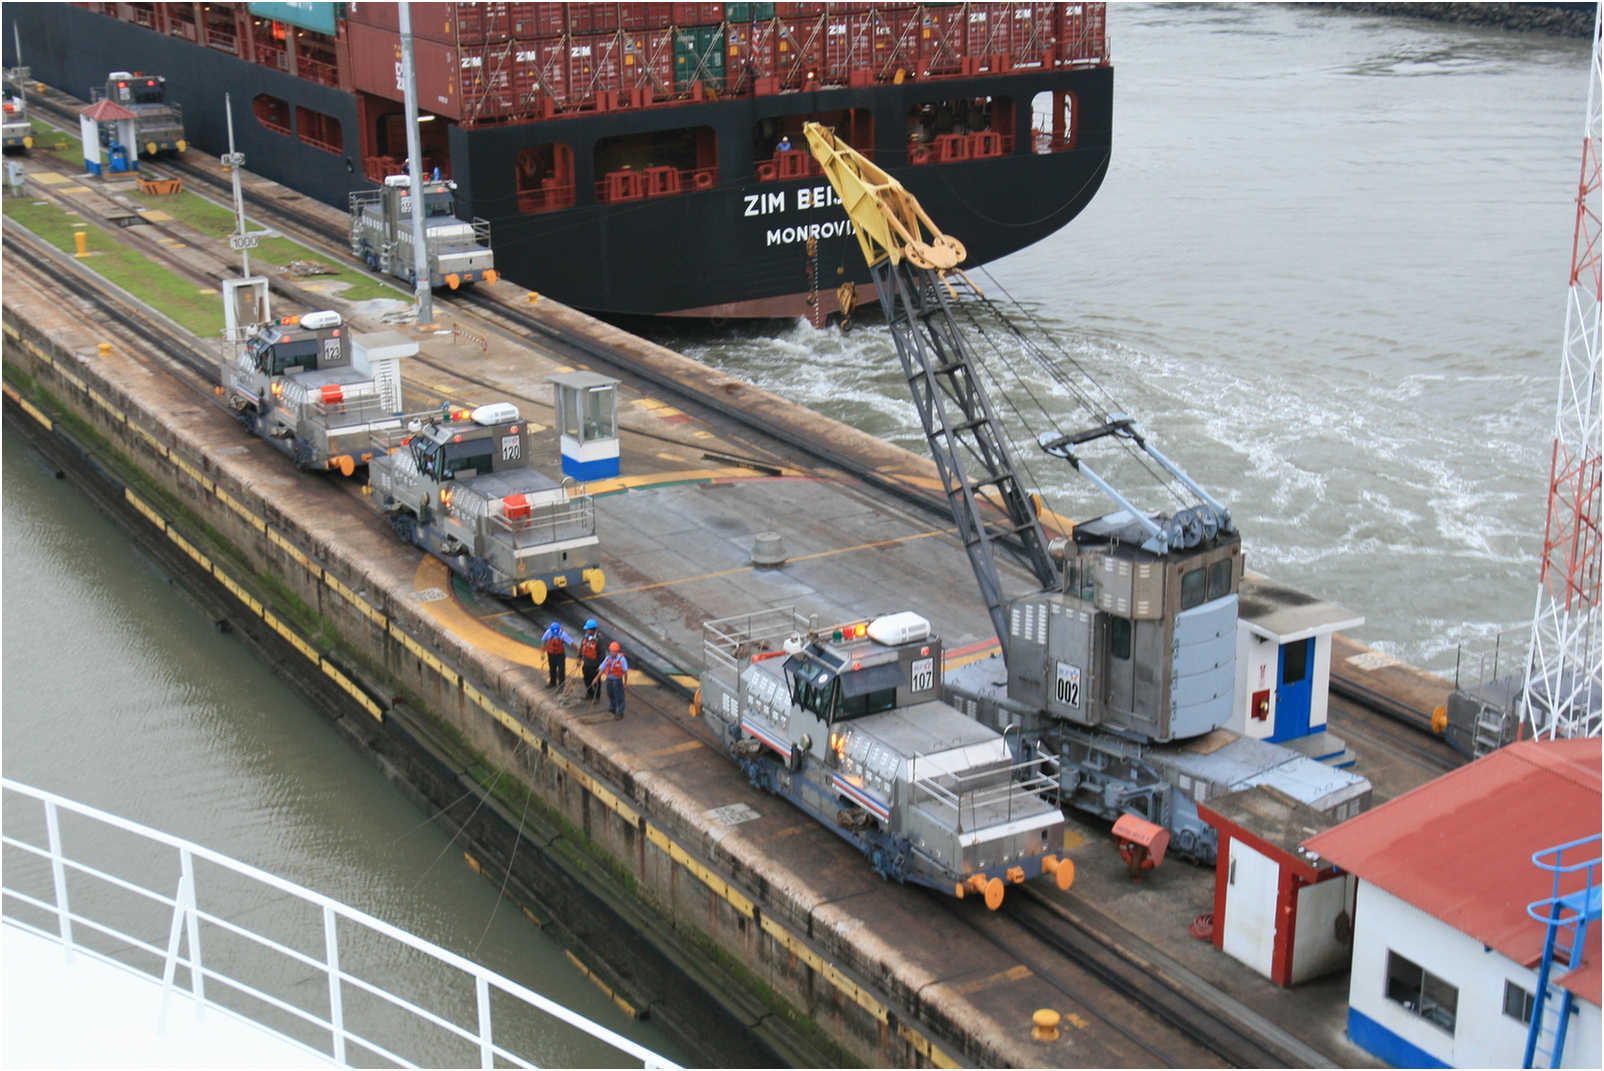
(1067, 689)
(510, 449)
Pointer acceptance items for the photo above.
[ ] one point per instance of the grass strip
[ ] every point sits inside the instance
(176, 296)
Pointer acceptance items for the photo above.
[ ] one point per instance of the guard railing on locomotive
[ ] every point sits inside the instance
(988, 796)
(730, 641)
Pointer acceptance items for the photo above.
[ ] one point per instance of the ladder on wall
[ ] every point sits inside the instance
(1567, 916)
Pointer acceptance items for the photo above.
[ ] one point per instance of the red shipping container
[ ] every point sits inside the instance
(487, 81)
(985, 31)
(587, 19)
(376, 69)
(837, 40)
(644, 16)
(798, 49)
(550, 77)
(696, 14)
(940, 33)
(471, 24)
(648, 62)
(798, 10)
(430, 21)
(1033, 34)
(595, 64)
(1081, 32)
(749, 54)
(534, 21)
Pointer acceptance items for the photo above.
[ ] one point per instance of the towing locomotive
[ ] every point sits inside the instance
(381, 233)
(460, 485)
(159, 125)
(849, 725)
(325, 397)
(15, 132)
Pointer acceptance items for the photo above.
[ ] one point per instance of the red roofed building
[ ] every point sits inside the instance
(1445, 957)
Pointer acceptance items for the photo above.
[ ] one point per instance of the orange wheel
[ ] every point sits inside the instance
(994, 894)
(1065, 874)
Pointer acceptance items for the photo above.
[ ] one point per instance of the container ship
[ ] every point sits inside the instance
(639, 158)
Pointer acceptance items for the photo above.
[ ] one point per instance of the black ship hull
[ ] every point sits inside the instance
(739, 248)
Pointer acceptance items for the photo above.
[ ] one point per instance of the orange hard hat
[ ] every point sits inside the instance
(613, 646)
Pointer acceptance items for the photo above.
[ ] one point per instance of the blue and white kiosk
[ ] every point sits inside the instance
(587, 424)
(1283, 668)
(123, 153)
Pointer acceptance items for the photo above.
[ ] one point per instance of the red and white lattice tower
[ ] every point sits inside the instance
(1564, 693)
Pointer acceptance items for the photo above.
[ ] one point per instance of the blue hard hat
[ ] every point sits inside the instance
(590, 622)
(555, 626)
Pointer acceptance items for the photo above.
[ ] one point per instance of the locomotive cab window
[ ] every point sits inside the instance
(1194, 588)
(869, 691)
(283, 356)
(1220, 579)
(427, 457)
(812, 686)
(1119, 638)
(476, 454)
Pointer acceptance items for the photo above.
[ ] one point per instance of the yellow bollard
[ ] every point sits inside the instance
(533, 297)
(82, 238)
(1045, 1025)
(104, 349)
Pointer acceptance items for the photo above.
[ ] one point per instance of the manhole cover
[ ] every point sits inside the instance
(428, 595)
(732, 814)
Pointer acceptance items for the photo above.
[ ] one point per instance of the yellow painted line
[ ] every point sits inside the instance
(73, 189)
(791, 831)
(350, 688)
(362, 605)
(28, 407)
(10, 330)
(239, 593)
(684, 680)
(154, 443)
(158, 216)
(925, 1047)
(623, 1004)
(957, 662)
(847, 986)
(139, 504)
(424, 655)
(433, 573)
(50, 178)
(625, 483)
(69, 378)
(1073, 839)
(799, 558)
(719, 886)
(112, 410)
(191, 471)
(701, 435)
(293, 551)
(650, 404)
(673, 749)
(272, 621)
(1012, 974)
(238, 507)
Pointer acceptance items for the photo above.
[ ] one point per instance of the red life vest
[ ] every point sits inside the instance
(615, 666)
(590, 646)
(554, 645)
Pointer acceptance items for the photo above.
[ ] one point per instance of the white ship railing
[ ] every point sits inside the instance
(187, 917)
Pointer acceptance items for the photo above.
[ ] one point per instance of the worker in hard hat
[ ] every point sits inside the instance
(590, 658)
(556, 641)
(615, 671)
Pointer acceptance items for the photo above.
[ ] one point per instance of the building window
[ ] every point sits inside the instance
(1194, 586)
(1422, 992)
(1220, 579)
(1518, 1003)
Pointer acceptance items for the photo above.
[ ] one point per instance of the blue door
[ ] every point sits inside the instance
(1293, 691)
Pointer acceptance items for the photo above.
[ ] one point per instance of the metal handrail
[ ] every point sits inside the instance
(187, 916)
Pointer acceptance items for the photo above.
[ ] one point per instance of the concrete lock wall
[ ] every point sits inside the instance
(819, 963)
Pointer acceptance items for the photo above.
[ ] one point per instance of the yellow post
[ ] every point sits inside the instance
(82, 238)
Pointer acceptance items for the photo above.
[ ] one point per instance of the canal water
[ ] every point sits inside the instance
(120, 693)
(1327, 273)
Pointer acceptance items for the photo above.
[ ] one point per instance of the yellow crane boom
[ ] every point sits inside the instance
(887, 217)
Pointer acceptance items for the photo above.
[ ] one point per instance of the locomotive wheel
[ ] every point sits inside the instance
(404, 527)
(479, 574)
